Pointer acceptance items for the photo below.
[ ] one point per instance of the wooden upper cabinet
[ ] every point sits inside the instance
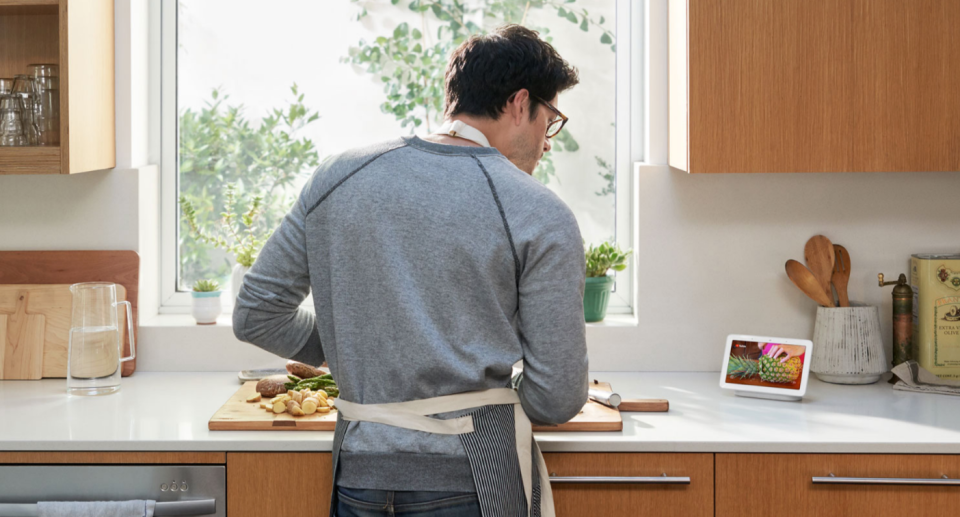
(78, 36)
(814, 85)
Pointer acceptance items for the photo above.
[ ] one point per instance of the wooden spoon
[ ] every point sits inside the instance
(841, 274)
(804, 279)
(819, 256)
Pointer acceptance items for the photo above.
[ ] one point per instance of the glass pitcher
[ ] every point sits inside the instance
(94, 353)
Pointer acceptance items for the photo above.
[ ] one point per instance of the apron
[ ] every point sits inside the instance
(508, 469)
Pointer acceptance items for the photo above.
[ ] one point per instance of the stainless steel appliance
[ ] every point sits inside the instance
(185, 490)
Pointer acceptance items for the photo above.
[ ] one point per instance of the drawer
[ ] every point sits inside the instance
(580, 490)
(862, 485)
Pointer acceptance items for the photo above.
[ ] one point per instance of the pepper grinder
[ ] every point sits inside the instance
(902, 319)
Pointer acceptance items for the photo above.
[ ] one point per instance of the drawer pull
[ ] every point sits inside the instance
(834, 480)
(621, 480)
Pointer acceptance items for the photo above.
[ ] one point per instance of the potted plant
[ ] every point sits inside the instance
(243, 241)
(596, 293)
(206, 301)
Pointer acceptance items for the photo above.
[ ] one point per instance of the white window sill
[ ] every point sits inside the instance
(226, 320)
(175, 343)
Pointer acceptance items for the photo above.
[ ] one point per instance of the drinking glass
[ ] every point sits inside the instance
(25, 88)
(47, 112)
(11, 122)
(6, 85)
(94, 354)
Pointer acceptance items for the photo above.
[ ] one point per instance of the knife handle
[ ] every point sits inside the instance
(645, 405)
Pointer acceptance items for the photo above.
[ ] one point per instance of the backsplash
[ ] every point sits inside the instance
(710, 257)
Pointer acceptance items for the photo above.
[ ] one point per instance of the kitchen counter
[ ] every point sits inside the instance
(169, 412)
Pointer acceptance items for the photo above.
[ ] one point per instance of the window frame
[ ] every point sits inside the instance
(630, 148)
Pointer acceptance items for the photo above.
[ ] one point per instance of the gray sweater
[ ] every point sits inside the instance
(434, 269)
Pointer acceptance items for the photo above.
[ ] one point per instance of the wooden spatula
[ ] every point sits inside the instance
(841, 274)
(819, 256)
(22, 343)
(804, 279)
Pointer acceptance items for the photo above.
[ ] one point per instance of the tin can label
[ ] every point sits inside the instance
(936, 284)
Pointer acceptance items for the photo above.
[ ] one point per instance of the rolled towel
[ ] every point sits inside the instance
(137, 508)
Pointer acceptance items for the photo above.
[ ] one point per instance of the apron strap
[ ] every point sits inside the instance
(444, 404)
(463, 130)
(406, 419)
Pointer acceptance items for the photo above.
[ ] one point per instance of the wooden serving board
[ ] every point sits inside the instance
(594, 417)
(239, 415)
(71, 267)
(53, 305)
(21, 340)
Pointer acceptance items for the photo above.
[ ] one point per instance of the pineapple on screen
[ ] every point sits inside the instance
(772, 370)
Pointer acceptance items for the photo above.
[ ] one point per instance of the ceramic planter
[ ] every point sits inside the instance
(596, 296)
(236, 281)
(206, 307)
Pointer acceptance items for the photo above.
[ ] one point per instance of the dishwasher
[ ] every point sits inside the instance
(185, 490)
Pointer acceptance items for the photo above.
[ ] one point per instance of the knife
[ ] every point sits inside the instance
(606, 398)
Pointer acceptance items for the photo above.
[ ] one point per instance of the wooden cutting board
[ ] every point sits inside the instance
(21, 340)
(239, 415)
(71, 267)
(53, 303)
(594, 417)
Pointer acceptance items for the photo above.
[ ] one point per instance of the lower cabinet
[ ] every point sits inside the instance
(725, 485)
(754, 485)
(278, 483)
(634, 493)
(300, 483)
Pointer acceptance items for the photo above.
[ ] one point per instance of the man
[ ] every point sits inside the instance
(436, 264)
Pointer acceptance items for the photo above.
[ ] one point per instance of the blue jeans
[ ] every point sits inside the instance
(355, 502)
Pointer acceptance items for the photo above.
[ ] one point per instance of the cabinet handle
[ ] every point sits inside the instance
(834, 480)
(622, 480)
(172, 508)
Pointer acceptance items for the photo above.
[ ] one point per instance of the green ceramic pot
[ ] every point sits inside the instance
(596, 296)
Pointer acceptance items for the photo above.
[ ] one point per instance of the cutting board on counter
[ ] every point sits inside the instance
(71, 267)
(239, 415)
(594, 417)
(50, 307)
(21, 339)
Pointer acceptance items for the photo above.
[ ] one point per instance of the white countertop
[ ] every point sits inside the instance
(169, 412)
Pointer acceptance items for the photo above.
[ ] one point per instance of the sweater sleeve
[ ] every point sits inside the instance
(268, 313)
(553, 333)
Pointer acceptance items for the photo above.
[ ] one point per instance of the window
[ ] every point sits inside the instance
(255, 98)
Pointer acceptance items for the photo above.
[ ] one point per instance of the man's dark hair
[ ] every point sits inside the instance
(486, 70)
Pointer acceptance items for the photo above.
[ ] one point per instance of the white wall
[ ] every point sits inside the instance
(710, 258)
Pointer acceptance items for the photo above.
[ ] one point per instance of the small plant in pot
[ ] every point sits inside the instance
(596, 293)
(238, 233)
(206, 301)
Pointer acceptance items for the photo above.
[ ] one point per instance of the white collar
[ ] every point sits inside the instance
(460, 129)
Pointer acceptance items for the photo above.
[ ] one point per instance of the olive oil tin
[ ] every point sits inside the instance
(935, 280)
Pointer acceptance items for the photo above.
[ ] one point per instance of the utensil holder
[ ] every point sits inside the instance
(848, 348)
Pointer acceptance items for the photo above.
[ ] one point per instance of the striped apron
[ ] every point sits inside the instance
(508, 469)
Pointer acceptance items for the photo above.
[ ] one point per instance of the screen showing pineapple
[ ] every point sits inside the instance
(772, 365)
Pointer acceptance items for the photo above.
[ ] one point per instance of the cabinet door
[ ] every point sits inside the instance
(616, 500)
(274, 483)
(751, 485)
(814, 86)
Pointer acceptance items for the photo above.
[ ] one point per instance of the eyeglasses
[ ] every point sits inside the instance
(555, 125)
